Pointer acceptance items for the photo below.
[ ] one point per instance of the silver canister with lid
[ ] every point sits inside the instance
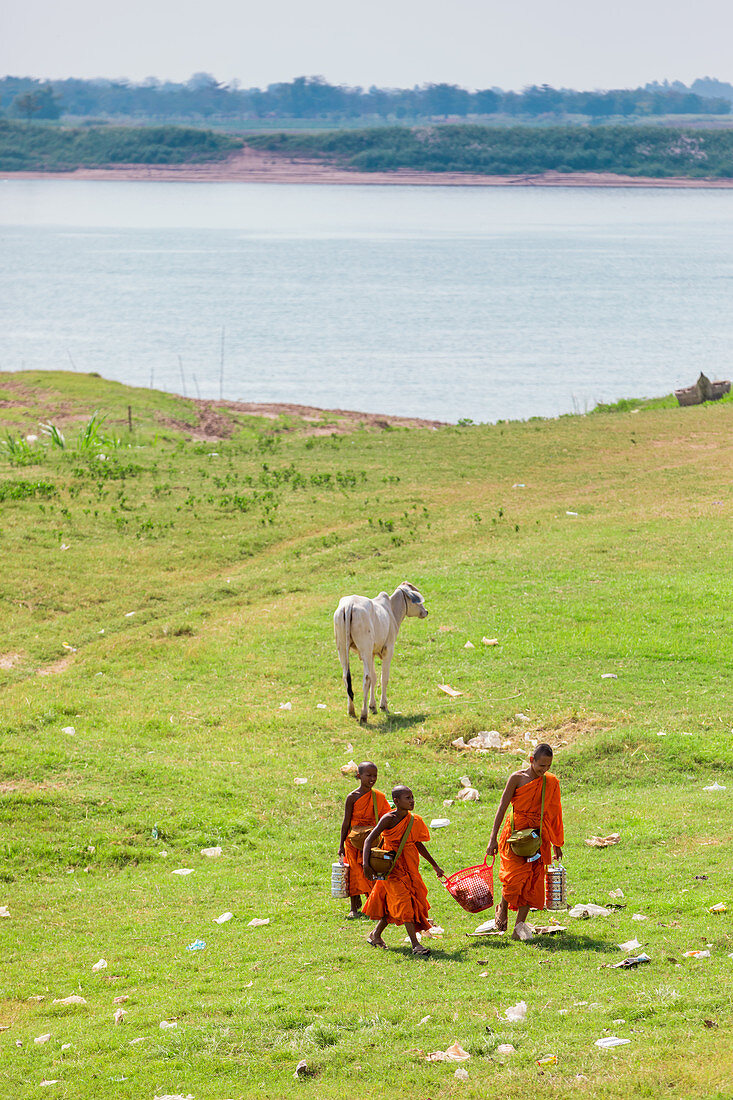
(556, 887)
(339, 880)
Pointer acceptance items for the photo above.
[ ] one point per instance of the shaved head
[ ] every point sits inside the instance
(363, 767)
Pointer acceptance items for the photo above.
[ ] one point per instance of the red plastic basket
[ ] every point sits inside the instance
(473, 888)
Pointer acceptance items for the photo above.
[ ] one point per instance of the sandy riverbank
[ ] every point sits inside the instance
(254, 166)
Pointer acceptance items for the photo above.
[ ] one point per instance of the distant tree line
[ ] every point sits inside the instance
(653, 151)
(203, 98)
(50, 149)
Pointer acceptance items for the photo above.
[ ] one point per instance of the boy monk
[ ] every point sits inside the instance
(363, 808)
(523, 880)
(401, 898)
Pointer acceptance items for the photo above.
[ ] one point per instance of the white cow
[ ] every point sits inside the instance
(370, 628)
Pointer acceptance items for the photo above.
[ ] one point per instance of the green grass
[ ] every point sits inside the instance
(232, 554)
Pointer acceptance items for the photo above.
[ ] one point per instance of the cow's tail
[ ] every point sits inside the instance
(342, 630)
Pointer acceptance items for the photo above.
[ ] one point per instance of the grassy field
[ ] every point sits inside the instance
(162, 597)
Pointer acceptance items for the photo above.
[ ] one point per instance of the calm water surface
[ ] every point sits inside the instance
(427, 301)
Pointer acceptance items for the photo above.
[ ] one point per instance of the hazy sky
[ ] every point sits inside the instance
(392, 43)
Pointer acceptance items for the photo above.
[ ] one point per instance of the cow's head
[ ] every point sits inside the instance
(413, 600)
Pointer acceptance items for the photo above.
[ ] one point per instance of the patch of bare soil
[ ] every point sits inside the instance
(258, 166)
(55, 667)
(26, 786)
(212, 425)
(8, 660)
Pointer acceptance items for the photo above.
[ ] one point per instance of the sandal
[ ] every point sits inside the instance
(423, 952)
(354, 915)
(373, 943)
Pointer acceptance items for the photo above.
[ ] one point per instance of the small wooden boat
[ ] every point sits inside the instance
(703, 390)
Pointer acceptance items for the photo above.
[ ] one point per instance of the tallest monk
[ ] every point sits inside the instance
(522, 877)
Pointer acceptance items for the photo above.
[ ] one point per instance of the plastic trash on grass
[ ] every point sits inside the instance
(603, 841)
(448, 690)
(211, 853)
(258, 921)
(183, 871)
(589, 910)
(454, 1053)
(74, 999)
(101, 965)
(611, 1041)
(516, 1013)
(224, 917)
(352, 768)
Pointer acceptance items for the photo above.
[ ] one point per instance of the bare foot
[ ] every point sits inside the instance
(354, 914)
(418, 949)
(376, 941)
(501, 915)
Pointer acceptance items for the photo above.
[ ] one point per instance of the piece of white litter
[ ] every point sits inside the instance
(589, 910)
(454, 1053)
(469, 645)
(721, 907)
(45, 1082)
(630, 945)
(603, 841)
(446, 802)
(505, 1048)
(571, 513)
(352, 768)
(257, 921)
(101, 965)
(120, 1016)
(523, 931)
(424, 1020)
(639, 916)
(4, 911)
(299, 781)
(465, 781)
(68, 730)
(484, 974)
(439, 823)
(64, 546)
(349, 747)
(468, 794)
(74, 999)
(447, 690)
(490, 641)
(696, 955)
(435, 930)
(459, 743)
(611, 1041)
(519, 485)
(516, 1013)
(487, 926)
(321, 706)
(661, 733)
(301, 1069)
(461, 1074)
(140, 1039)
(522, 717)
(715, 787)
(129, 614)
(211, 853)
(121, 1000)
(66, 1046)
(286, 706)
(609, 676)
(183, 871)
(174, 1096)
(165, 1024)
(42, 1038)
(616, 893)
(224, 917)
(485, 740)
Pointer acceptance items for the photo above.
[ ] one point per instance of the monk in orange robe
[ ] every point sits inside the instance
(523, 879)
(402, 897)
(363, 808)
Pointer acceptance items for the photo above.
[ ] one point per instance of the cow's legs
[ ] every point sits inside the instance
(386, 659)
(350, 708)
(370, 677)
(373, 688)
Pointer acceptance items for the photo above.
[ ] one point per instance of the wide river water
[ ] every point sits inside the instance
(442, 302)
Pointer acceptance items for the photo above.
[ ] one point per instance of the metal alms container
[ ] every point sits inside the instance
(339, 880)
(556, 887)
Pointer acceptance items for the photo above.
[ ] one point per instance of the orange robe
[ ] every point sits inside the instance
(402, 896)
(362, 814)
(523, 883)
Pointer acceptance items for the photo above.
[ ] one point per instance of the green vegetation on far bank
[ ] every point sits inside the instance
(165, 590)
(518, 150)
(35, 147)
